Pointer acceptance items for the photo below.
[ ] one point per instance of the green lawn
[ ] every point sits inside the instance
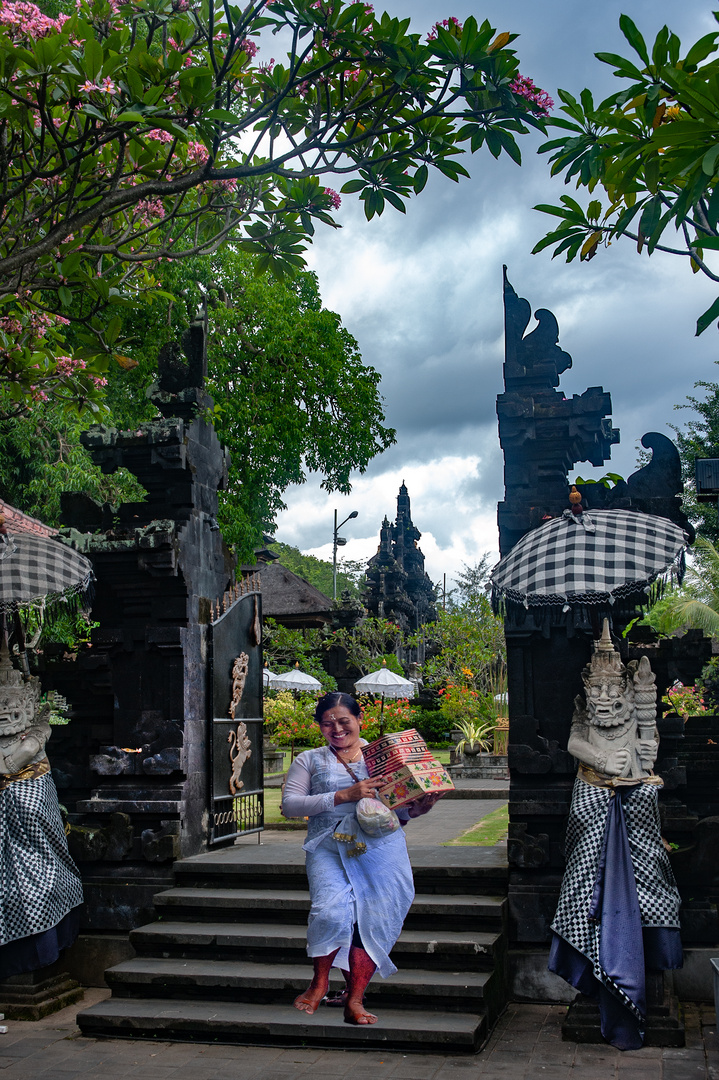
(487, 832)
(272, 807)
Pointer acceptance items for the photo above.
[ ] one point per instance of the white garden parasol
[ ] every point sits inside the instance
(386, 683)
(295, 680)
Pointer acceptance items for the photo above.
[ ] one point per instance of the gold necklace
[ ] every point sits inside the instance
(351, 760)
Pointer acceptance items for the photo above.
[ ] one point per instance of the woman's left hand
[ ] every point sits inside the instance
(424, 805)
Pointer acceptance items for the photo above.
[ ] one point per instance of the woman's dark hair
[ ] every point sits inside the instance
(332, 700)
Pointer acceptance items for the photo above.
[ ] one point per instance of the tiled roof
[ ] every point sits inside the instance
(17, 522)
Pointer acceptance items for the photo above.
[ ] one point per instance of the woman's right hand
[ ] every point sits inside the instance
(363, 789)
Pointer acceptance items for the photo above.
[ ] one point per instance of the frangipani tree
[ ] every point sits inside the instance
(132, 132)
(647, 154)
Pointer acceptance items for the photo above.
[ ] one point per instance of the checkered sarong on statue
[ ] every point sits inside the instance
(564, 560)
(656, 890)
(39, 882)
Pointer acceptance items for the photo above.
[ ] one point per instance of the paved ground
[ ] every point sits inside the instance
(447, 820)
(526, 1045)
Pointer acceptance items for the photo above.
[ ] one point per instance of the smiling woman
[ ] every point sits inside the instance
(361, 886)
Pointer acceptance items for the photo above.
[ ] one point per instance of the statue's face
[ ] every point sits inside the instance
(19, 702)
(16, 713)
(609, 702)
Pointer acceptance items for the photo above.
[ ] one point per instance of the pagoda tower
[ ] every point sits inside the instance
(397, 585)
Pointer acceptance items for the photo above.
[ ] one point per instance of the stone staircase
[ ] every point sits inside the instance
(226, 957)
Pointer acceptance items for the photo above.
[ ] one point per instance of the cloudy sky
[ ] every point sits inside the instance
(422, 293)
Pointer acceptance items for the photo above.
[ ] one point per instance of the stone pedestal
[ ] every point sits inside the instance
(664, 1027)
(478, 766)
(37, 994)
(273, 759)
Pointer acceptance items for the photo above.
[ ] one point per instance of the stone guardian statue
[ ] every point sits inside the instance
(40, 889)
(618, 911)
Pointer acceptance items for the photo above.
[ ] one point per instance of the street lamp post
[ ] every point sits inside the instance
(338, 541)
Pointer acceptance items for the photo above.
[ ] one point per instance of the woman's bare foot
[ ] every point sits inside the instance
(309, 1002)
(355, 1013)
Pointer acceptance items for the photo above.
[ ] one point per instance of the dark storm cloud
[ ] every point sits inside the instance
(422, 294)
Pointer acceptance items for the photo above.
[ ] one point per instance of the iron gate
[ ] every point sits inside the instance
(236, 738)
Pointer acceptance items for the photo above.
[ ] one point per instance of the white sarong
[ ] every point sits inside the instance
(375, 889)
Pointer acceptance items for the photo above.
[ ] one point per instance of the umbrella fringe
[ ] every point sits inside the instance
(77, 598)
(627, 598)
(576, 614)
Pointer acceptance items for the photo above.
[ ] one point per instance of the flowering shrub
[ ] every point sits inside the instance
(289, 721)
(25, 22)
(461, 703)
(452, 25)
(540, 100)
(685, 700)
(398, 715)
(138, 133)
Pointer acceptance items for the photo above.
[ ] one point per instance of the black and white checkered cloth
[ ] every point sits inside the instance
(39, 882)
(658, 896)
(34, 569)
(562, 561)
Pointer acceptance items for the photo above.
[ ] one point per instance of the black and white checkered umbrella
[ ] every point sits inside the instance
(36, 571)
(595, 558)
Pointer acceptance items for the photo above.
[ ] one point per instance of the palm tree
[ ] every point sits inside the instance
(696, 604)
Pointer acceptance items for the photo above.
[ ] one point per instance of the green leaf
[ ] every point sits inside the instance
(92, 58)
(129, 115)
(709, 161)
(353, 185)
(634, 38)
(700, 50)
(46, 50)
(707, 317)
(70, 263)
(224, 115)
(112, 330)
(394, 199)
(90, 110)
(650, 216)
(651, 174)
(554, 211)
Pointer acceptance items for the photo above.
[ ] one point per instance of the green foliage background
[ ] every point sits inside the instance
(286, 378)
(319, 571)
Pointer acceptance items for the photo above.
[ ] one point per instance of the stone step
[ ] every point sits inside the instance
(276, 1025)
(284, 943)
(240, 980)
(471, 870)
(489, 788)
(293, 905)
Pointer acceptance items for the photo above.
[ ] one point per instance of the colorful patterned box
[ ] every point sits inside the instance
(395, 750)
(411, 782)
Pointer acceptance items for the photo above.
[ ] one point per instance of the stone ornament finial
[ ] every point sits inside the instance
(605, 643)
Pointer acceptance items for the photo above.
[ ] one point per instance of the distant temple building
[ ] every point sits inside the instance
(397, 587)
